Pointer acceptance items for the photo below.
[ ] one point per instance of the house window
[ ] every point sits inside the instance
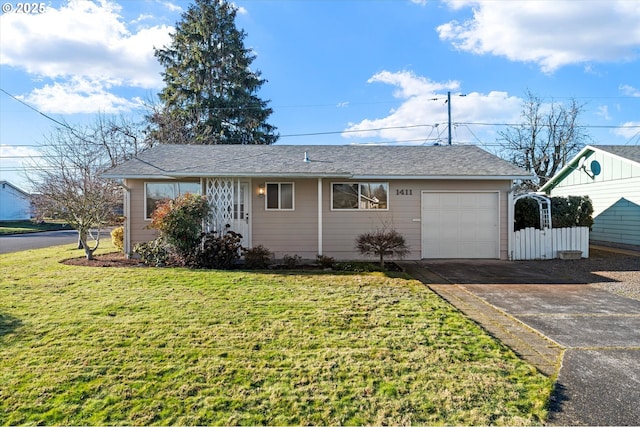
(359, 195)
(156, 192)
(279, 196)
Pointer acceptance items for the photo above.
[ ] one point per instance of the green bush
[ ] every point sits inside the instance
(117, 238)
(571, 211)
(218, 252)
(291, 261)
(155, 252)
(325, 261)
(258, 258)
(180, 222)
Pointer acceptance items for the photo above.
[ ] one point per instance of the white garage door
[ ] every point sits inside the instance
(460, 225)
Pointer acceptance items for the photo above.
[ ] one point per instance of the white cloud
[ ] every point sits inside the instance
(629, 90)
(423, 117)
(628, 130)
(15, 162)
(551, 34)
(79, 96)
(603, 111)
(171, 6)
(87, 52)
(82, 39)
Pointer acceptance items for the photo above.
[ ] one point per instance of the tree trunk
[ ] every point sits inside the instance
(82, 237)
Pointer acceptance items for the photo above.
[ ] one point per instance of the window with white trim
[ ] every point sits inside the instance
(359, 195)
(280, 196)
(156, 192)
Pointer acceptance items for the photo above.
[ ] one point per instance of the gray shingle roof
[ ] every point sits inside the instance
(357, 161)
(631, 152)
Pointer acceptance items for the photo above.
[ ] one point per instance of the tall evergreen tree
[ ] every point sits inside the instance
(210, 94)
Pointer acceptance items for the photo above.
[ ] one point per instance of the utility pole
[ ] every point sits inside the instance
(449, 113)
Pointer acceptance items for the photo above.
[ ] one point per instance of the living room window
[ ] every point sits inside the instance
(155, 192)
(280, 196)
(359, 195)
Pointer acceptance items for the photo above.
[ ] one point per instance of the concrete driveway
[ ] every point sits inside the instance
(598, 382)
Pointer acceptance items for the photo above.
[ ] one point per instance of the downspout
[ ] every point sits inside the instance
(510, 219)
(127, 218)
(320, 216)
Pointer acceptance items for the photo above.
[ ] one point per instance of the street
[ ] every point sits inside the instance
(22, 242)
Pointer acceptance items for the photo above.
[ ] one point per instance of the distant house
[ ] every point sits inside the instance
(15, 204)
(610, 176)
(447, 201)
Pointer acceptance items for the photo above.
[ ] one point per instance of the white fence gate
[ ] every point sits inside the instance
(531, 243)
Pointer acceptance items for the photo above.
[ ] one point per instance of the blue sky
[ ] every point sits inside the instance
(335, 68)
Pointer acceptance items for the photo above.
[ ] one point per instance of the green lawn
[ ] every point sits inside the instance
(18, 227)
(87, 346)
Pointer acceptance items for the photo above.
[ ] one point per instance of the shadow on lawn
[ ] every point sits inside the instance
(8, 324)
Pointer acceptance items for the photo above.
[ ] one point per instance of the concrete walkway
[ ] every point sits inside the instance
(586, 338)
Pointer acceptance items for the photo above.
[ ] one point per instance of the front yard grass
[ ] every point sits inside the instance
(138, 346)
(26, 226)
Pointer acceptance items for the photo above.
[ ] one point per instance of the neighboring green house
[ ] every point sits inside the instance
(447, 201)
(610, 176)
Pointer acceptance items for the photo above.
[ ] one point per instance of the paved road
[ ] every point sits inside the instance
(599, 380)
(23, 242)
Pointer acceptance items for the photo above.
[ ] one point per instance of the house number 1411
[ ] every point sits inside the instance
(404, 192)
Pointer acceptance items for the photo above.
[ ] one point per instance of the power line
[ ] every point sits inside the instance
(37, 111)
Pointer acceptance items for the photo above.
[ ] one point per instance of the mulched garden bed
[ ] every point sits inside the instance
(113, 259)
(116, 259)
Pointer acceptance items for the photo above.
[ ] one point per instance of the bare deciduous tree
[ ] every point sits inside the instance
(547, 138)
(66, 177)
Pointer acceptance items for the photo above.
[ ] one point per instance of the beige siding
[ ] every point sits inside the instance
(296, 232)
(287, 232)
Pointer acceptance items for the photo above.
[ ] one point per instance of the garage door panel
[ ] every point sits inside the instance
(460, 225)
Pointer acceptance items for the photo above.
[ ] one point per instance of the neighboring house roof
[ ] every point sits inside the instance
(4, 184)
(345, 161)
(630, 153)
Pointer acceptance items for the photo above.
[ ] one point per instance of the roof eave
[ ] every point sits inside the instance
(324, 175)
(562, 173)
(445, 177)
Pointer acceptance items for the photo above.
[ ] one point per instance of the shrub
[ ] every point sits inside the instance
(291, 261)
(382, 242)
(117, 238)
(571, 211)
(180, 222)
(258, 258)
(218, 252)
(325, 261)
(155, 252)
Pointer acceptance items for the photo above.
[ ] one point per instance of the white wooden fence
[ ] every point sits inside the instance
(531, 243)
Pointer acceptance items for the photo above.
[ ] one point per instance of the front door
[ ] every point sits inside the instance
(229, 201)
(240, 223)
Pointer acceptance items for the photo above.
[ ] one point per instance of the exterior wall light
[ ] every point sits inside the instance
(261, 190)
